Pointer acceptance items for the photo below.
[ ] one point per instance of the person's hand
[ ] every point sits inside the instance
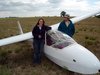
(39, 36)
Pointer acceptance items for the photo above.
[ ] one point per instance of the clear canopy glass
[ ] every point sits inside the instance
(57, 39)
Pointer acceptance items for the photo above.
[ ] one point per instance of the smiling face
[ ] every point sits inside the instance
(41, 22)
(66, 18)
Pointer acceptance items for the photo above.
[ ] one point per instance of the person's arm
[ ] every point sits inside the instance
(60, 27)
(72, 29)
(47, 28)
(34, 33)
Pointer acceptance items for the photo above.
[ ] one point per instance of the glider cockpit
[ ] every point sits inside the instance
(58, 40)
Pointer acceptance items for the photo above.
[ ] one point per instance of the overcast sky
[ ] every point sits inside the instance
(46, 7)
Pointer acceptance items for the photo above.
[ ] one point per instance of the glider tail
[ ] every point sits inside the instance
(21, 30)
(20, 27)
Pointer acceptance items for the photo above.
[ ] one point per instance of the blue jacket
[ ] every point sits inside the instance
(70, 30)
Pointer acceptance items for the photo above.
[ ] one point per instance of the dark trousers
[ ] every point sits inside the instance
(38, 50)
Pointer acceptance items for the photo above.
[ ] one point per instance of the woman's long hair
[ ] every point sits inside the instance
(39, 20)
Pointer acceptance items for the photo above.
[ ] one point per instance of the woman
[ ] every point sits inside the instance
(38, 33)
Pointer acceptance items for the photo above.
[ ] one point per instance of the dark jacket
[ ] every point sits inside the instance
(36, 32)
(70, 30)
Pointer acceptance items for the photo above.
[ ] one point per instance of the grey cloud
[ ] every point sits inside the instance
(55, 4)
(10, 6)
(55, 1)
(25, 8)
(16, 6)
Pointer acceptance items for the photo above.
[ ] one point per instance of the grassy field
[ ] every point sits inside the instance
(16, 59)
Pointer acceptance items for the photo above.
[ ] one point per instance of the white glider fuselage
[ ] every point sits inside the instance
(73, 57)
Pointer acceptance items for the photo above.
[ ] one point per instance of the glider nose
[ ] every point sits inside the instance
(86, 61)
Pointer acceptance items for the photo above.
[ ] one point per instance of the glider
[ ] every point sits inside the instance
(62, 49)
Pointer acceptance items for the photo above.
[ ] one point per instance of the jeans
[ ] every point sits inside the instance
(38, 50)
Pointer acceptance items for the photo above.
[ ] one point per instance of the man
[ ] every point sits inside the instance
(66, 26)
